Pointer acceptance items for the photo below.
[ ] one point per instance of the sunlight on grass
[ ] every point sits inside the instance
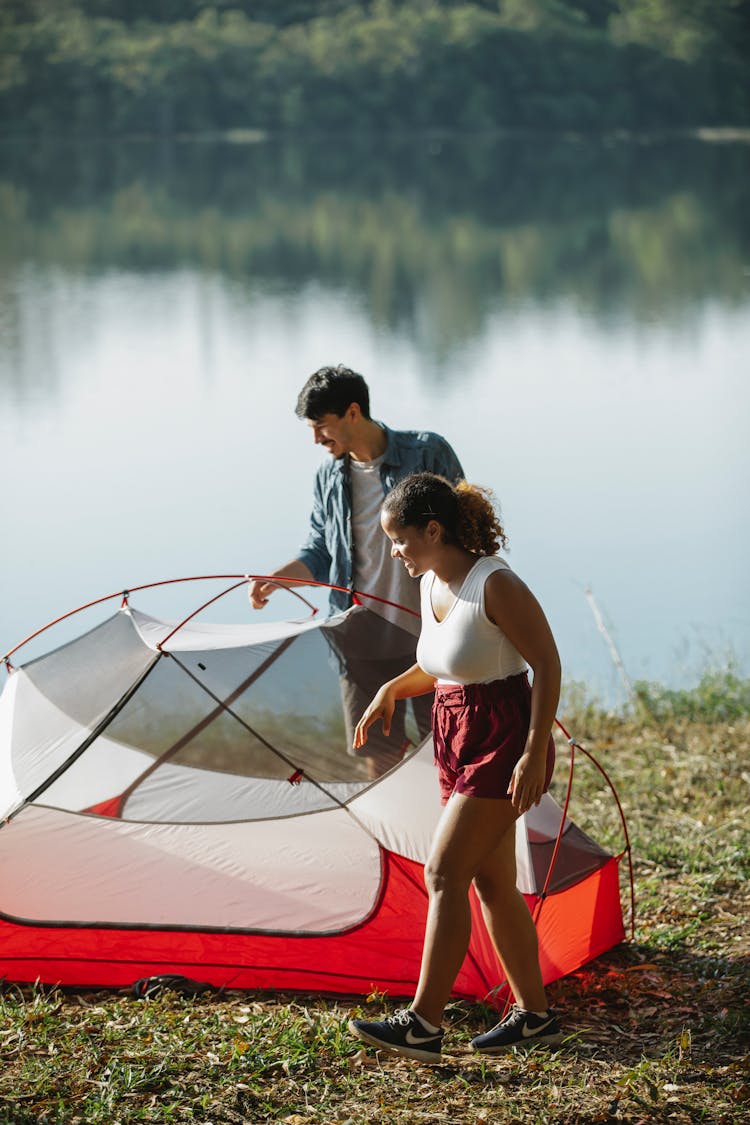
(657, 1029)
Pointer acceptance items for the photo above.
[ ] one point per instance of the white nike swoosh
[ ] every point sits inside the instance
(527, 1031)
(415, 1041)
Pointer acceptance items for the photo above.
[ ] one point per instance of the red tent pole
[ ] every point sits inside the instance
(628, 849)
(287, 583)
(558, 841)
(234, 586)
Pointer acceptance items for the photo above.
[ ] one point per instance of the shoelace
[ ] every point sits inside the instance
(401, 1017)
(514, 1017)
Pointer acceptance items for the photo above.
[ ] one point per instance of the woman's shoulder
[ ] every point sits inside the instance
(482, 574)
(488, 564)
(494, 575)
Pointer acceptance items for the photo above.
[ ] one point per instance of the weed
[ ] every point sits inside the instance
(657, 1029)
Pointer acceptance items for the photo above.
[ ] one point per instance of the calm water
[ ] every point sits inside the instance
(574, 317)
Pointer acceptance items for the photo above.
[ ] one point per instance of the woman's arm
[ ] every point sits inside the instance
(513, 608)
(410, 683)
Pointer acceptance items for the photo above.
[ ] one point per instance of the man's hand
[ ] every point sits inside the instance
(260, 592)
(262, 588)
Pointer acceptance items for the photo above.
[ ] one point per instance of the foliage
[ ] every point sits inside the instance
(107, 65)
(722, 695)
(684, 29)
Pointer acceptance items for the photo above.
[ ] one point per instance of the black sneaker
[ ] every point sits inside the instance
(403, 1032)
(519, 1029)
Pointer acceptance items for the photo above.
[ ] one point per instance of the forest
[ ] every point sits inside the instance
(106, 68)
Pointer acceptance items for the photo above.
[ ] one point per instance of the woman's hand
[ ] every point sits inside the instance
(381, 707)
(527, 781)
(410, 683)
(515, 610)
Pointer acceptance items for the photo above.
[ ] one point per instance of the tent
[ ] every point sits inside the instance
(177, 797)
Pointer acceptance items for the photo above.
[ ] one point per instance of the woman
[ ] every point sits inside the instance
(481, 627)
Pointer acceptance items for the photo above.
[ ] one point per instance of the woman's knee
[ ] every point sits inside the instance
(495, 886)
(440, 875)
(486, 888)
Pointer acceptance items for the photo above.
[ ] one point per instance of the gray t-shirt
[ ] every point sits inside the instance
(375, 572)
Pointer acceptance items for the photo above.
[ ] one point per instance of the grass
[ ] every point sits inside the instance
(658, 1028)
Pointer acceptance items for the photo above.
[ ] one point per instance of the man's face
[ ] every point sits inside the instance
(335, 433)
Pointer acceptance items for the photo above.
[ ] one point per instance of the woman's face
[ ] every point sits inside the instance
(412, 545)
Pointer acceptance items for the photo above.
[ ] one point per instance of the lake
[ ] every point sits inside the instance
(572, 314)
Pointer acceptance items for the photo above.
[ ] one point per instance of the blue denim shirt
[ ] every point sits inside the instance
(328, 550)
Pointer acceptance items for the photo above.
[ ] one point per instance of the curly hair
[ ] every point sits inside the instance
(466, 512)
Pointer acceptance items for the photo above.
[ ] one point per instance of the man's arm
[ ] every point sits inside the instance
(261, 589)
(444, 460)
(314, 553)
(314, 563)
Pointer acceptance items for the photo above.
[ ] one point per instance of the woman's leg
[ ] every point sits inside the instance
(470, 833)
(510, 925)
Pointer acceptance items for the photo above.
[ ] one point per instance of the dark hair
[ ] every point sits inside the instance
(332, 390)
(466, 512)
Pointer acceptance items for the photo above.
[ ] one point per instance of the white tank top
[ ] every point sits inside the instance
(466, 647)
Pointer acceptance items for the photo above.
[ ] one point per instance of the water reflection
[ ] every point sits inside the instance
(573, 316)
(433, 236)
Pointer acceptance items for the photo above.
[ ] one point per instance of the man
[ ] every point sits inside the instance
(346, 545)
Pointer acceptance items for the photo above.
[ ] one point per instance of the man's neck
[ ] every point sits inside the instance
(370, 444)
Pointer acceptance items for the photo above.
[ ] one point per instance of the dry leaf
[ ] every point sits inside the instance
(361, 1060)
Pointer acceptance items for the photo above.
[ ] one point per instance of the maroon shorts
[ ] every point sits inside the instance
(479, 731)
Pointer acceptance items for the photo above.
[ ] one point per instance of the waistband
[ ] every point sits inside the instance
(482, 693)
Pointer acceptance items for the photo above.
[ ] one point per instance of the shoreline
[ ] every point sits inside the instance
(719, 134)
